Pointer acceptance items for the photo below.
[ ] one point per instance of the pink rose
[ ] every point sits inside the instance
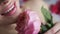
(28, 23)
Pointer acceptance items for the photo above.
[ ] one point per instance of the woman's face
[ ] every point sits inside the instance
(9, 11)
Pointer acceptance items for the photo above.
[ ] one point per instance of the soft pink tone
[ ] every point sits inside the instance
(28, 23)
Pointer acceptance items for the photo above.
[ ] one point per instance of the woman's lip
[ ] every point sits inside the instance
(7, 7)
(11, 12)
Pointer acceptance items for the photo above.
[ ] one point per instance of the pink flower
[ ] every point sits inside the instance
(55, 8)
(28, 23)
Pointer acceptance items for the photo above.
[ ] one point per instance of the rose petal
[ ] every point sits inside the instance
(28, 23)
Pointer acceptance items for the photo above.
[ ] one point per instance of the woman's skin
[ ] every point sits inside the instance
(7, 21)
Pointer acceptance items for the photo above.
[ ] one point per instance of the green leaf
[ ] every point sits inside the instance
(43, 29)
(46, 14)
(48, 18)
(48, 25)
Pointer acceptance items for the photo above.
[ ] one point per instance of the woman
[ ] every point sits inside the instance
(11, 14)
(5, 7)
(9, 11)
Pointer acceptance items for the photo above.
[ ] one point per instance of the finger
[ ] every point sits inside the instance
(58, 32)
(54, 29)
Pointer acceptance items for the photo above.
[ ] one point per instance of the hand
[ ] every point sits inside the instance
(54, 30)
